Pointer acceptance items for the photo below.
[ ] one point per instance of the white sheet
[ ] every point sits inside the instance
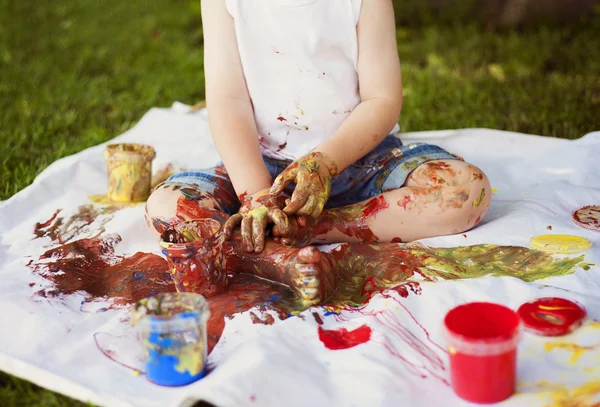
(539, 181)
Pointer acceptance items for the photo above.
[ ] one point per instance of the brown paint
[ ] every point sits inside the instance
(91, 267)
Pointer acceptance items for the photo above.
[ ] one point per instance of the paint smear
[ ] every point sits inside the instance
(62, 230)
(576, 350)
(90, 267)
(586, 395)
(341, 338)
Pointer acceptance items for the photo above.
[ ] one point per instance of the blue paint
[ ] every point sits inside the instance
(163, 353)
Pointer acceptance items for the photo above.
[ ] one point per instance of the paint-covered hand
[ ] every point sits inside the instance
(312, 175)
(256, 213)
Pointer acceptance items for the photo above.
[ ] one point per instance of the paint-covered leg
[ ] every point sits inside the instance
(310, 273)
(439, 198)
(170, 205)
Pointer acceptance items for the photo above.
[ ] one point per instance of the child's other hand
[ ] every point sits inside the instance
(312, 175)
(255, 214)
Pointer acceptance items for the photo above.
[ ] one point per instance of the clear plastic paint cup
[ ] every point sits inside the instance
(172, 329)
(191, 257)
(129, 171)
(482, 341)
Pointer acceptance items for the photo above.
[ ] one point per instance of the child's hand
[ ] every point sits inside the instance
(312, 175)
(254, 216)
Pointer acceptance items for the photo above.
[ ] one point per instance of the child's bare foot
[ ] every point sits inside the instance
(307, 274)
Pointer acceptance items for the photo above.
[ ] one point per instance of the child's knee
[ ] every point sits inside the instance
(162, 203)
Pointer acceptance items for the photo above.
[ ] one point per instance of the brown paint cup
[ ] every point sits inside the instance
(129, 171)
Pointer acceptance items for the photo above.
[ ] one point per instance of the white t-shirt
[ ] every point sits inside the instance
(300, 62)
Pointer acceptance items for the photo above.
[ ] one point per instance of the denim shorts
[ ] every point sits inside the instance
(383, 169)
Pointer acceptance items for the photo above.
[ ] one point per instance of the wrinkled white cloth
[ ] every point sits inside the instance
(539, 182)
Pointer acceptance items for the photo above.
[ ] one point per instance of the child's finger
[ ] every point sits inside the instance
(282, 181)
(308, 207)
(282, 224)
(231, 224)
(298, 200)
(258, 231)
(247, 234)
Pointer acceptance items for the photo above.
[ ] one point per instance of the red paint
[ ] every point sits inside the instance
(282, 119)
(424, 359)
(243, 196)
(343, 339)
(396, 240)
(317, 318)
(38, 229)
(266, 319)
(551, 316)
(405, 201)
(482, 338)
(374, 206)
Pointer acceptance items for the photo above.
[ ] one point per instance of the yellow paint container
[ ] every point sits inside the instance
(129, 171)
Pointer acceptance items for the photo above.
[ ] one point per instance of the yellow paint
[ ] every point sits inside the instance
(577, 350)
(137, 373)
(129, 172)
(586, 395)
(494, 190)
(478, 201)
(191, 358)
(560, 243)
(105, 201)
(451, 350)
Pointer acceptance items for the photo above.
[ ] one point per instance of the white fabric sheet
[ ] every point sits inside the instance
(539, 181)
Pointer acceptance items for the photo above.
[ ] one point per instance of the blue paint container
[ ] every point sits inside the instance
(172, 329)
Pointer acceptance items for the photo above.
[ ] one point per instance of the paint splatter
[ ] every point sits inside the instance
(62, 230)
(317, 318)
(91, 268)
(282, 119)
(479, 200)
(585, 395)
(341, 338)
(266, 319)
(405, 201)
(576, 350)
(420, 357)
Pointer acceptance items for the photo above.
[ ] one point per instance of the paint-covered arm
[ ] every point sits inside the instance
(231, 116)
(380, 88)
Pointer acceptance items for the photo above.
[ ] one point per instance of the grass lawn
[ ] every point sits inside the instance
(77, 73)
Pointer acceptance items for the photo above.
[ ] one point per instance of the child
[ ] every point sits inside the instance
(303, 99)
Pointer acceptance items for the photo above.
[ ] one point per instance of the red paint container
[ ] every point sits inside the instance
(482, 342)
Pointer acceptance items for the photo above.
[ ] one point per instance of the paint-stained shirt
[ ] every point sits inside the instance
(300, 62)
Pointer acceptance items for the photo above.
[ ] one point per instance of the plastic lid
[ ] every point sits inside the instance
(588, 217)
(551, 316)
(560, 243)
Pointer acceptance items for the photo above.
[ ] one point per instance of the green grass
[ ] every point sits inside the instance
(77, 73)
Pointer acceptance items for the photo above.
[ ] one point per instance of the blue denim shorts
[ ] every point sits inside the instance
(383, 169)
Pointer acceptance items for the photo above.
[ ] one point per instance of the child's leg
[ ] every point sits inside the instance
(438, 198)
(310, 273)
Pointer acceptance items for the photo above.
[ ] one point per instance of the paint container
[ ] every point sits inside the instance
(172, 329)
(129, 171)
(192, 262)
(482, 342)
